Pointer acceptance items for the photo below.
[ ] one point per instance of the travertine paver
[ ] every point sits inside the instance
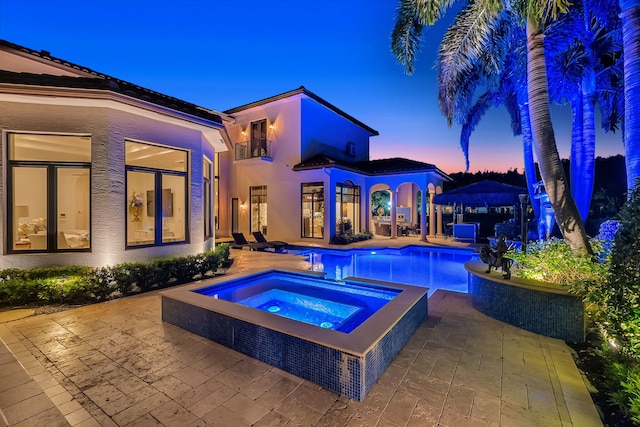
(116, 363)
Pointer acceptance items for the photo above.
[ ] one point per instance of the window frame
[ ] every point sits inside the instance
(158, 188)
(313, 204)
(261, 227)
(52, 207)
(342, 198)
(207, 198)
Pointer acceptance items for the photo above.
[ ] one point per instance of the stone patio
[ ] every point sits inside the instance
(116, 363)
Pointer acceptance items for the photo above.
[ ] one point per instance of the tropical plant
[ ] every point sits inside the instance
(413, 14)
(500, 70)
(585, 47)
(620, 295)
(552, 261)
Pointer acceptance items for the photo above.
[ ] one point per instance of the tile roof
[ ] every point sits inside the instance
(304, 91)
(99, 81)
(393, 166)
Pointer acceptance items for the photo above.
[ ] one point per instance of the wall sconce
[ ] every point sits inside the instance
(272, 127)
(243, 206)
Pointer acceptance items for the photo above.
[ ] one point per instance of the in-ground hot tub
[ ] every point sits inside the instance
(340, 335)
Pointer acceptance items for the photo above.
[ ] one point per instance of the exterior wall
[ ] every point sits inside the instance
(303, 128)
(108, 129)
(283, 184)
(325, 132)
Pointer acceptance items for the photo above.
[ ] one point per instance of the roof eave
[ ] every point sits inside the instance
(303, 91)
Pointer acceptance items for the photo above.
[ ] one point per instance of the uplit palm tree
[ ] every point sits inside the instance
(584, 45)
(630, 16)
(413, 14)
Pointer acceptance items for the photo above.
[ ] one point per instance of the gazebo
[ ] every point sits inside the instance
(481, 194)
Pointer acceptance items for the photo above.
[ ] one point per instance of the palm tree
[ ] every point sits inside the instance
(413, 14)
(630, 15)
(500, 70)
(585, 47)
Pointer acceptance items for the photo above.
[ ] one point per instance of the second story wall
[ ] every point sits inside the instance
(325, 132)
(282, 121)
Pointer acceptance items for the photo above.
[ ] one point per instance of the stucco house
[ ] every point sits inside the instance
(299, 170)
(98, 171)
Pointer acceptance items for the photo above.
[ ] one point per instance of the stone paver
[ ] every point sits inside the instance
(117, 363)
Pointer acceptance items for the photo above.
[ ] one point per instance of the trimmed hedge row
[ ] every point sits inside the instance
(80, 284)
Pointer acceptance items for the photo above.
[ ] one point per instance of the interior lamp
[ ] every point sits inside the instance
(21, 211)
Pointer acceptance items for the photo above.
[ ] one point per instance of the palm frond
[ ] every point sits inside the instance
(467, 57)
(405, 40)
(485, 101)
(429, 11)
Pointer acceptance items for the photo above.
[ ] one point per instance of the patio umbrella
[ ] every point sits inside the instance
(484, 193)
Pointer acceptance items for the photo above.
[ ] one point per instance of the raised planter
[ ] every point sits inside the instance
(534, 306)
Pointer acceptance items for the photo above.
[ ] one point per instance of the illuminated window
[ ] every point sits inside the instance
(258, 196)
(347, 208)
(259, 139)
(156, 200)
(49, 193)
(313, 210)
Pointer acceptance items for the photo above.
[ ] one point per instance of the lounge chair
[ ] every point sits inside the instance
(277, 244)
(239, 242)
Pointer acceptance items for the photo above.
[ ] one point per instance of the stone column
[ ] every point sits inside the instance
(439, 220)
(394, 225)
(423, 216)
(432, 215)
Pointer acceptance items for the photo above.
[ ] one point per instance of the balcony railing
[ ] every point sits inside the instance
(260, 148)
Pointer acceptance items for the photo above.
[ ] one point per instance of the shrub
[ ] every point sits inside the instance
(104, 283)
(623, 380)
(552, 261)
(75, 284)
(345, 239)
(618, 299)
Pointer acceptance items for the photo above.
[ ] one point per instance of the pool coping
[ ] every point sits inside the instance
(358, 342)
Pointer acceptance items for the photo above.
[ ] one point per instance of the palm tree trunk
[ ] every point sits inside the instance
(555, 182)
(575, 162)
(527, 148)
(583, 142)
(630, 14)
(588, 150)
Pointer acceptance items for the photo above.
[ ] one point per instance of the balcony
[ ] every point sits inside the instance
(258, 148)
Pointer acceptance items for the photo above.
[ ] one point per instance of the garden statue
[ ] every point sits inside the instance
(495, 258)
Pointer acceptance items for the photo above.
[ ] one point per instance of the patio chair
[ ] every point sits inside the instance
(277, 244)
(240, 242)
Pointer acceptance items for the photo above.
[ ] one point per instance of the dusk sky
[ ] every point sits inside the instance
(221, 54)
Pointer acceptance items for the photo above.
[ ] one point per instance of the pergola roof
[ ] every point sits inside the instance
(484, 193)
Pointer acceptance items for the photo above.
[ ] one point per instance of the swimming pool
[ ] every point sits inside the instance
(433, 268)
(348, 363)
(328, 304)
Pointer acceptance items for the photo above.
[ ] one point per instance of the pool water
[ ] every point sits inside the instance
(325, 303)
(433, 268)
